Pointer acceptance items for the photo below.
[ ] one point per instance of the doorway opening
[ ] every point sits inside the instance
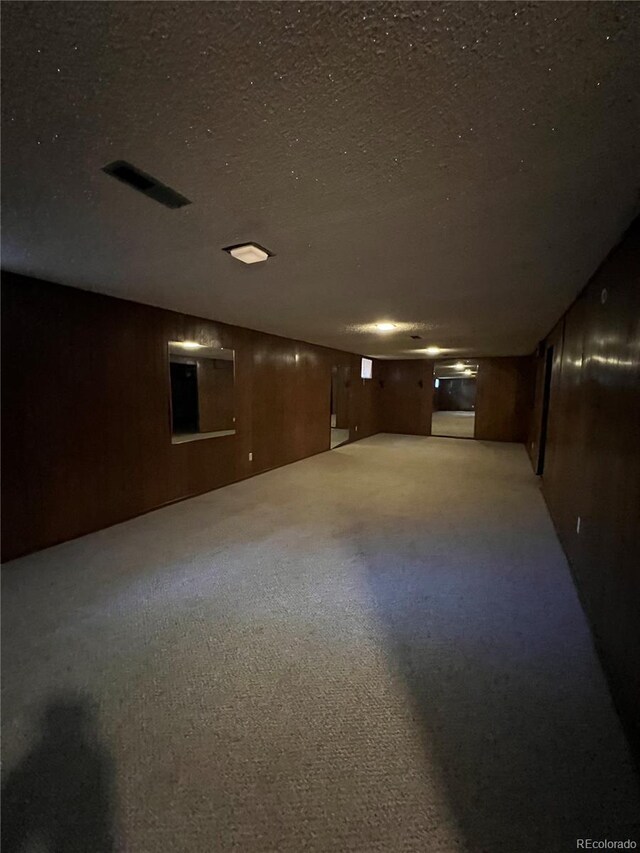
(546, 393)
(454, 398)
(339, 405)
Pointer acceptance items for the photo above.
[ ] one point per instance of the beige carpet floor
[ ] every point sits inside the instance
(454, 424)
(376, 649)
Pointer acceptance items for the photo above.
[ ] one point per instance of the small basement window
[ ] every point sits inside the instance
(366, 368)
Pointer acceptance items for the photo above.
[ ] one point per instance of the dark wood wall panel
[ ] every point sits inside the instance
(534, 433)
(592, 462)
(341, 385)
(565, 423)
(504, 398)
(406, 396)
(86, 410)
(365, 399)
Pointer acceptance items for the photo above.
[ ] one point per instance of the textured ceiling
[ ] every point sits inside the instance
(458, 169)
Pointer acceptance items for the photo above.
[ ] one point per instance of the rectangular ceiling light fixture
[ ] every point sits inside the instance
(146, 184)
(248, 253)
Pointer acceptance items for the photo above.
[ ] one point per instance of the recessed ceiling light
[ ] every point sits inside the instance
(432, 350)
(459, 365)
(385, 327)
(248, 253)
(189, 345)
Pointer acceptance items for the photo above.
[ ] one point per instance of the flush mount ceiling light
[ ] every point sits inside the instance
(385, 327)
(248, 253)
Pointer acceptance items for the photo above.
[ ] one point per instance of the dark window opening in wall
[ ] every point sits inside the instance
(184, 398)
(454, 398)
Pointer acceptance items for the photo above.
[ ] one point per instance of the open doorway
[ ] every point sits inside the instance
(454, 398)
(339, 405)
(546, 394)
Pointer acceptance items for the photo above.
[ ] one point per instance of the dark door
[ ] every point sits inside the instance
(548, 369)
(184, 397)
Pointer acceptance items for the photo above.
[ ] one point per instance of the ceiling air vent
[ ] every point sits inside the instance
(144, 183)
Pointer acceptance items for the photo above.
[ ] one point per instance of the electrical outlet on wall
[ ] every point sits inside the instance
(251, 457)
(578, 522)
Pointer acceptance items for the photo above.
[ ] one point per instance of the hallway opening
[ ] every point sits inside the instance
(454, 398)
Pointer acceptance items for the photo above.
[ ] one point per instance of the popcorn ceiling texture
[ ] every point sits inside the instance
(460, 168)
(321, 658)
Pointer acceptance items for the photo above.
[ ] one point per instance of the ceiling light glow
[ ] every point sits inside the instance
(189, 345)
(385, 327)
(459, 365)
(432, 350)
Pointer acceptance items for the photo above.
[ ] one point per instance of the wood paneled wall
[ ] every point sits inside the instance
(504, 398)
(340, 391)
(535, 426)
(592, 461)
(406, 396)
(86, 410)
